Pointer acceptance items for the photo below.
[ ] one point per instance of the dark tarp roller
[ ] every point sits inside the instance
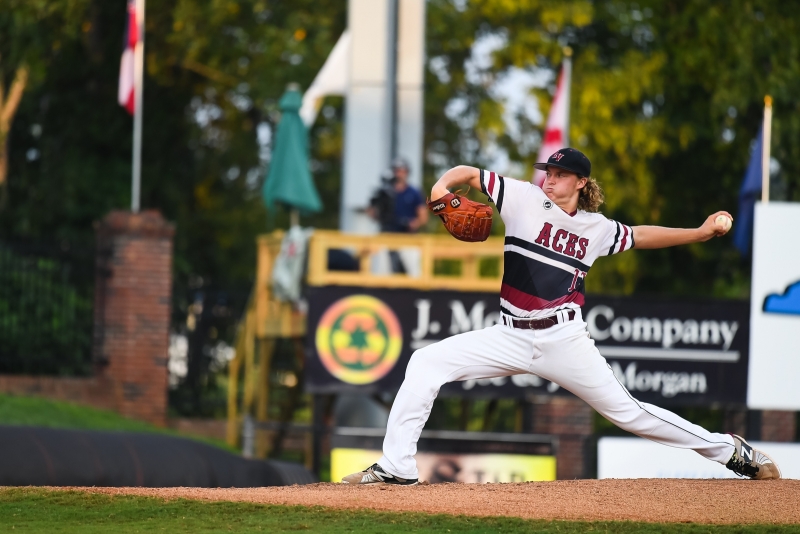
(34, 456)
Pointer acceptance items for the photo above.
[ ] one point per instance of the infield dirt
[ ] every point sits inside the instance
(651, 500)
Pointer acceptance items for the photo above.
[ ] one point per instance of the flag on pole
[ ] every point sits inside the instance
(556, 133)
(751, 187)
(125, 95)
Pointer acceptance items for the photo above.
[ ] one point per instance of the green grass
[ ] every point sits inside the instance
(38, 510)
(36, 411)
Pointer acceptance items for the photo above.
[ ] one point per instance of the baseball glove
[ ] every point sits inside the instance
(464, 219)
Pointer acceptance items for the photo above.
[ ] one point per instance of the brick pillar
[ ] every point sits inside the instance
(570, 419)
(132, 311)
(777, 425)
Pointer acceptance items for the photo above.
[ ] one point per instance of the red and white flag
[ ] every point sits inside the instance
(126, 67)
(557, 129)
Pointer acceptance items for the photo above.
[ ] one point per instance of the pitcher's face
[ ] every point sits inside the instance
(561, 186)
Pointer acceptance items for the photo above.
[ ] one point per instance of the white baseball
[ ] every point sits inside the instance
(724, 221)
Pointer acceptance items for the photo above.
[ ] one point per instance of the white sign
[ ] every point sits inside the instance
(641, 458)
(774, 374)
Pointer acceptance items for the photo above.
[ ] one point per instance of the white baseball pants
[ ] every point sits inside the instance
(563, 354)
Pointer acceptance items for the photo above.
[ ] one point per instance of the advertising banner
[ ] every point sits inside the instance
(663, 351)
(640, 458)
(674, 351)
(775, 309)
(442, 467)
(453, 456)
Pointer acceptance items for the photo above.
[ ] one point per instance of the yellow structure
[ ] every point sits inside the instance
(445, 263)
(502, 467)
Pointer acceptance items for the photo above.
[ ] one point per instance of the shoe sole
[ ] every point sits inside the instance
(780, 475)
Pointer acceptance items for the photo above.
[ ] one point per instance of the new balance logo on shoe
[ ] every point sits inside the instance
(752, 463)
(376, 476)
(747, 452)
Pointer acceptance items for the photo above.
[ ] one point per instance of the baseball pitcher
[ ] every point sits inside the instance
(553, 236)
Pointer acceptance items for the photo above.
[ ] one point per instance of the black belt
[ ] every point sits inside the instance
(537, 324)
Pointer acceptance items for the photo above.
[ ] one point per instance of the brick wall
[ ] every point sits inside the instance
(778, 425)
(570, 419)
(133, 282)
(735, 421)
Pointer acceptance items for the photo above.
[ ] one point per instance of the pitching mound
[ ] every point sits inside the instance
(654, 500)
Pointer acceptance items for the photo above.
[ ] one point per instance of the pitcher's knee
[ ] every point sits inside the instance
(422, 373)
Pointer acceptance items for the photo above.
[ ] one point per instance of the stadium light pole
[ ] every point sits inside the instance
(138, 86)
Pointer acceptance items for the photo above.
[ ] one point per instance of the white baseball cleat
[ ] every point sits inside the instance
(752, 463)
(376, 476)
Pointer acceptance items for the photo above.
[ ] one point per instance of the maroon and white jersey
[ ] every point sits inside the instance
(548, 252)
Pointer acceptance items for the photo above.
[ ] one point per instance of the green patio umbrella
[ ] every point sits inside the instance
(289, 179)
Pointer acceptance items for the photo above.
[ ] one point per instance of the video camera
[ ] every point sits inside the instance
(382, 202)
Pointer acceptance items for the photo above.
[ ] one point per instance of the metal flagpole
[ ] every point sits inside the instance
(567, 91)
(138, 86)
(765, 157)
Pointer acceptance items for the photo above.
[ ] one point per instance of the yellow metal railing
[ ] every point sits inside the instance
(430, 248)
(265, 320)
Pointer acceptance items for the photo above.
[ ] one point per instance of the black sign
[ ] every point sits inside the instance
(674, 351)
(663, 351)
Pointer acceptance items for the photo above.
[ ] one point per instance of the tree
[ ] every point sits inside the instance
(666, 98)
(214, 73)
(31, 32)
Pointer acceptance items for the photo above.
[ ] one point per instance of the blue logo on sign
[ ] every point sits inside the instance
(788, 303)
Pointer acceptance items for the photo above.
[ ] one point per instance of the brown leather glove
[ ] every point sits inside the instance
(464, 219)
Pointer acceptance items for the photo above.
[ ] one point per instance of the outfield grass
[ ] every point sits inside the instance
(38, 510)
(36, 411)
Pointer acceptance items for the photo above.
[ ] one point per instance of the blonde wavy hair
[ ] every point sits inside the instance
(590, 196)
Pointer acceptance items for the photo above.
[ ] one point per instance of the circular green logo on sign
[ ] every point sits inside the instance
(359, 339)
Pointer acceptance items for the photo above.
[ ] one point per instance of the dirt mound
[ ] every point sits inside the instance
(654, 500)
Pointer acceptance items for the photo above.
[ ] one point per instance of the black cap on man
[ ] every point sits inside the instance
(568, 159)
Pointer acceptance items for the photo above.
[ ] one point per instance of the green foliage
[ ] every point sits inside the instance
(665, 101)
(215, 71)
(36, 411)
(45, 316)
(33, 32)
(39, 510)
(666, 98)
(475, 415)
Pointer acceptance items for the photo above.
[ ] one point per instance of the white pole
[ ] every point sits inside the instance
(567, 90)
(138, 87)
(367, 131)
(410, 85)
(765, 149)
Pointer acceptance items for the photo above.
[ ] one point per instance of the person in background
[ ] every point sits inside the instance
(398, 206)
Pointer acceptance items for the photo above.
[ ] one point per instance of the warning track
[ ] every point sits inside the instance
(651, 500)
